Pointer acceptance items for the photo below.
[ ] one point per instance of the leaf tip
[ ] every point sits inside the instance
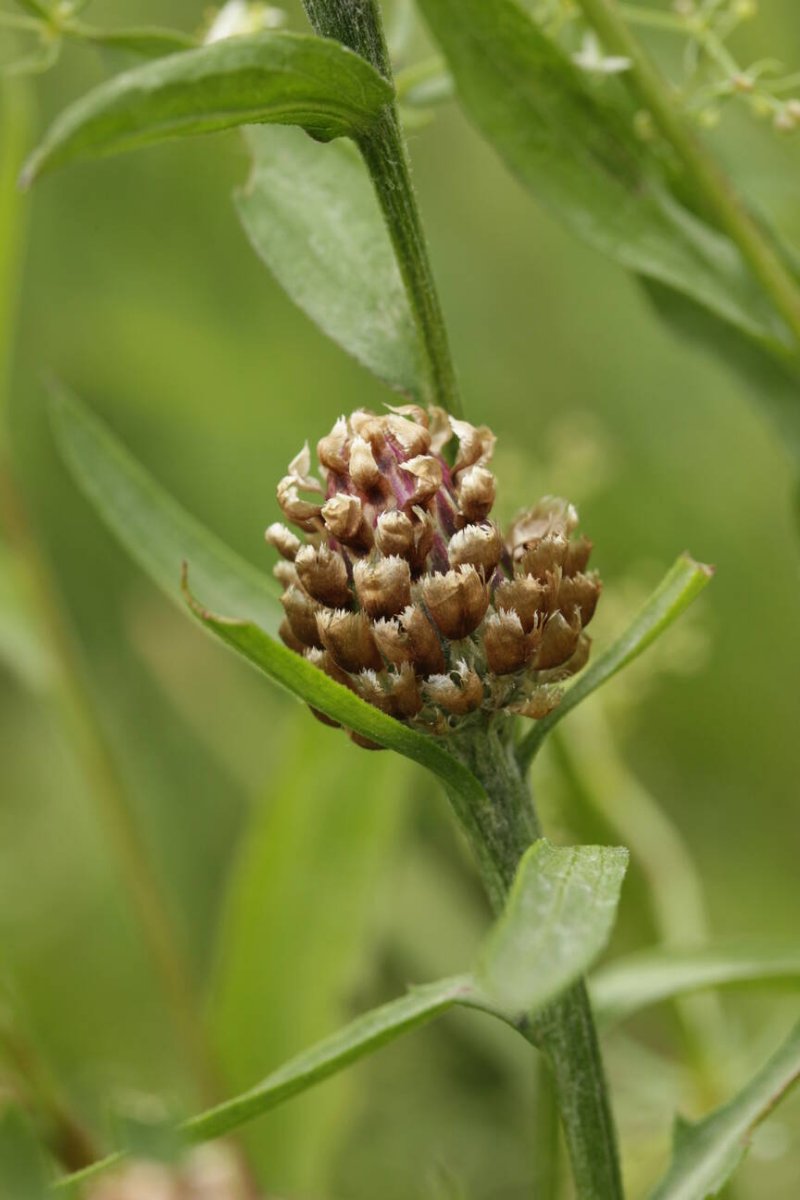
(707, 569)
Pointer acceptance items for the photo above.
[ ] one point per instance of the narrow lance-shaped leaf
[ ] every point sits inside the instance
(706, 1153)
(362, 1036)
(279, 78)
(578, 154)
(152, 527)
(311, 214)
(559, 917)
(623, 987)
(679, 587)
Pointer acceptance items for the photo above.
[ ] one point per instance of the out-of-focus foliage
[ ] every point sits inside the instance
(141, 291)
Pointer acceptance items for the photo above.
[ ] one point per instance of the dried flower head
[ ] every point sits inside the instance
(404, 589)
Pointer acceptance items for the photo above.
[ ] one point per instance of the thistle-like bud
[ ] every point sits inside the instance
(457, 601)
(383, 587)
(405, 590)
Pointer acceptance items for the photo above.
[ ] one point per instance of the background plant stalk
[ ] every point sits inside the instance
(499, 833)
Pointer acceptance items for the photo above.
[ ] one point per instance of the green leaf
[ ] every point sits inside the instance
(279, 78)
(152, 527)
(558, 918)
(623, 987)
(706, 1153)
(23, 1171)
(308, 683)
(288, 953)
(679, 587)
(578, 154)
(311, 214)
(362, 1036)
(149, 42)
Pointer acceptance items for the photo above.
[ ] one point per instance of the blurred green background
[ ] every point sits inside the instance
(308, 879)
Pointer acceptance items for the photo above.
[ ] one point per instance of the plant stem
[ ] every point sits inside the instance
(71, 690)
(500, 833)
(546, 1139)
(712, 185)
(357, 24)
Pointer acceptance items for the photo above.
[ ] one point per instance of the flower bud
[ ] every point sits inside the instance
(558, 642)
(285, 542)
(323, 574)
(581, 592)
(479, 545)
(456, 600)
(412, 437)
(301, 613)
(476, 493)
(364, 470)
(506, 645)
(299, 512)
(344, 519)
(458, 693)
(524, 596)
(394, 533)
(410, 638)
(427, 472)
(285, 573)
(542, 702)
(383, 587)
(332, 450)
(475, 445)
(544, 555)
(404, 590)
(348, 638)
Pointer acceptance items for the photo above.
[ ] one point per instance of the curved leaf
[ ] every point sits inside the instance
(280, 78)
(679, 587)
(311, 215)
(706, 1153)
(309, 683)
(623, 987)
(362, 1036)
(152, 527)
(558, 918)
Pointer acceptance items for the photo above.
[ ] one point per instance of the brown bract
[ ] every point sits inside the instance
(402, 587)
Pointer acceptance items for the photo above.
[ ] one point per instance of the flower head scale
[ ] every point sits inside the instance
(403, 589)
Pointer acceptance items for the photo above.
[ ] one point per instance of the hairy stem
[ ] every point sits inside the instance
(357, 24)
(500, 833)
(712, 186)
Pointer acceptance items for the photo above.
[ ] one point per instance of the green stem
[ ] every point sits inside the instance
(712, 185)
(500, 833)
(546, 1140)
(357, 24)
